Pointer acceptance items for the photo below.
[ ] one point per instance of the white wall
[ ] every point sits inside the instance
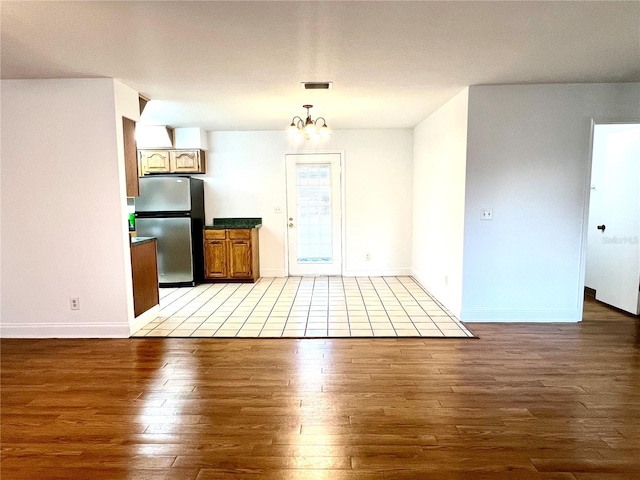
(528, 159)
(126, 105)
(439, 162)
(246, 178)
(63, 229)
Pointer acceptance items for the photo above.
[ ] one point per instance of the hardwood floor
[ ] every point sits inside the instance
(524, 401)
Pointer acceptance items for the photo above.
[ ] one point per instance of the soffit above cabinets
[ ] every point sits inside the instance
(164, 137)
(190, 138)
(154, 136)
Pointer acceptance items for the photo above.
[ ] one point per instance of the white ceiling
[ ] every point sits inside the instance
(238, 65)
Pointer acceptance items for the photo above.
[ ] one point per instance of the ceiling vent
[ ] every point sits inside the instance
(316, 85)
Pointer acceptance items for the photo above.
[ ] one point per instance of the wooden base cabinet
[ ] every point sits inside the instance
(231, 254)
(144, 269)
(215, 257)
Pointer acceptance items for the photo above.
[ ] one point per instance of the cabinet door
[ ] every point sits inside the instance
(130, 157)
(215, 259)
(187, 161)
(240, 260)
(154, 161)
(144, 269)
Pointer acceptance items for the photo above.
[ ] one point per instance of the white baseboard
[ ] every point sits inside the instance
(389, 272)
(144, 318)
(445, 301)
(65, 330)
(513, 316)
(273, 272)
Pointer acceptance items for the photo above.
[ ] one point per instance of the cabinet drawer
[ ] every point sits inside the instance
(214, 234)
(244, 233)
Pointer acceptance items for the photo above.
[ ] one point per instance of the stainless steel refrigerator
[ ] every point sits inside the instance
(171, 208)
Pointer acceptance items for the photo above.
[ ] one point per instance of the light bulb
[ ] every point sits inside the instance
(293, 130)
(325, 132)
(310, 128)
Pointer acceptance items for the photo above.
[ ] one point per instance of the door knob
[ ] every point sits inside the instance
(291, 219)
(290, 225)
(602, 227)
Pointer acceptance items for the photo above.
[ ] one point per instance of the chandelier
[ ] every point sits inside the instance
(309, 129)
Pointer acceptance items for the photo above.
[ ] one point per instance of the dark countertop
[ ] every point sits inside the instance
(141, 240)
(230, 223)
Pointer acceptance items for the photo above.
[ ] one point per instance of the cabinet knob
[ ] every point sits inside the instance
(601, 227)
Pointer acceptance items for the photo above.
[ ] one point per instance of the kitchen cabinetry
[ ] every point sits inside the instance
(231, 254)
(130, 157)
(144, 269)
(172, 161)
(187, 161)
(154, 161)
(215, 254)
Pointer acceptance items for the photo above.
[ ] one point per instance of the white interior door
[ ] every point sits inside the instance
(314, 213)
(613, 255)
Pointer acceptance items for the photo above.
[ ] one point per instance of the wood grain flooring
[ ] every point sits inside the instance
(524, 401)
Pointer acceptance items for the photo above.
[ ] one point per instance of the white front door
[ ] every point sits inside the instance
(314, 214)
(613, 256)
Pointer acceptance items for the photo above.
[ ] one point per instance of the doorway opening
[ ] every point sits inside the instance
(612, 271)
(314, 214)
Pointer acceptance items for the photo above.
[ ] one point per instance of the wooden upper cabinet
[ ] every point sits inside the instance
(187, 161)
(154, 161)
(172, 161)
(130, 157)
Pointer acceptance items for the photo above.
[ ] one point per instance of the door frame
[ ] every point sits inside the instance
(342, 204)
(587, 199)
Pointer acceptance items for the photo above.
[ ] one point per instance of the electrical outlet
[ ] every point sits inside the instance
(75, 303)
(277, 209)
(446, 279)
(487, 214)
(367, 256)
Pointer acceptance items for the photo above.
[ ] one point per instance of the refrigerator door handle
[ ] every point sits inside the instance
(162, 214)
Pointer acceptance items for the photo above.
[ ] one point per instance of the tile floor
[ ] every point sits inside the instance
(301, 307)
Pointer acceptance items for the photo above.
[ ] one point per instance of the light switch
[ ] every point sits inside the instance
(487, 214)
